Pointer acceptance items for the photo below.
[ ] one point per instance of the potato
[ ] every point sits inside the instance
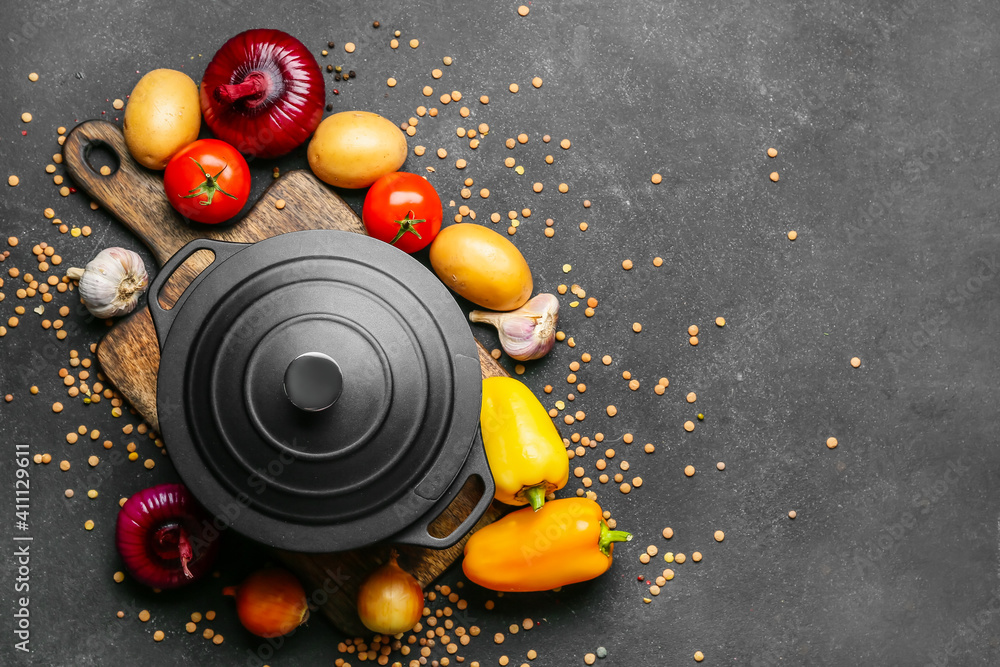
(163, 116)
(481, 266)
(353, 149)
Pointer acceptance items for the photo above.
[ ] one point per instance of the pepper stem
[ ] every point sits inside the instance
(535, 495)
(608, 537)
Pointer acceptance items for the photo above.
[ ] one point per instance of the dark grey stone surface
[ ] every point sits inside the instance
(884, 117)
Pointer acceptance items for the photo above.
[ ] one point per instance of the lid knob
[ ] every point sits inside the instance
(313, 381)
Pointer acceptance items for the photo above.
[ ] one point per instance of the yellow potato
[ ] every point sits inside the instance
(481, 266)
(163, 116)
(353, 149)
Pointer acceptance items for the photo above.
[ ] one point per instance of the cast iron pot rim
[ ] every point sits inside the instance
(192, 309)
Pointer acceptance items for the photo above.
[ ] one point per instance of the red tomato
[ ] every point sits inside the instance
(403, 209)
(207, 181)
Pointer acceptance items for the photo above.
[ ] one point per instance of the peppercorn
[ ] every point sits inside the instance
(352, 74)
(376, 24)
(329, 107)
(329, 68)
(330, 44)
(336, 92)
(339, 69)
(336, 77)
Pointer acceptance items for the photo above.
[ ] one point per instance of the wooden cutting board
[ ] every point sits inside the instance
(130, 355)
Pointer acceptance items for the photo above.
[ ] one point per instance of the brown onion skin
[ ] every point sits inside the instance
(390, 600)
(285, 114)
(270, 603)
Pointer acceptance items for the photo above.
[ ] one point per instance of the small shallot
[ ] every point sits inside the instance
(270, 603)
(112, 282)
(528, 332)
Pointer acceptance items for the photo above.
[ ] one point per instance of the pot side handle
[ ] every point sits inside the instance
(476, 465)
(163, 318)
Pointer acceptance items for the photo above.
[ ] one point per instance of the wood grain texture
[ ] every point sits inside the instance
(130, 356)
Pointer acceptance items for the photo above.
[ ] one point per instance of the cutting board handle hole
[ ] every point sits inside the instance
(452, 517)
(183, 276)
(99, 154)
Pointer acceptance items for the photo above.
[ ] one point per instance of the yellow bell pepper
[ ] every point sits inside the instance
(526, 453)
(565, 542)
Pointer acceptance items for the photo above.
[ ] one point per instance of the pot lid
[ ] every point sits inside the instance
(322, 379)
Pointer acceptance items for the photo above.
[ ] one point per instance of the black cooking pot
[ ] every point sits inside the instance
(320, 391)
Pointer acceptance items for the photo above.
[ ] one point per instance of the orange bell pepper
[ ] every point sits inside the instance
(564, 542)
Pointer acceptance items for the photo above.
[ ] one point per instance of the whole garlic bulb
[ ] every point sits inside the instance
(112, 282)
(528, 332)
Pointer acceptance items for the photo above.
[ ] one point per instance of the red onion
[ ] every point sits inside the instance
(263, 93)
(165, 537)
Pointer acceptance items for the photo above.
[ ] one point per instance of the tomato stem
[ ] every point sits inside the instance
(208, 187)
(407, 224)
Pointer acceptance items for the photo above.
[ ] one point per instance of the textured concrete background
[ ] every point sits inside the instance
(884, 115)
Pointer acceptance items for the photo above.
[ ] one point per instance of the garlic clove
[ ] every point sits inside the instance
(112, 282)
(528, 332)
